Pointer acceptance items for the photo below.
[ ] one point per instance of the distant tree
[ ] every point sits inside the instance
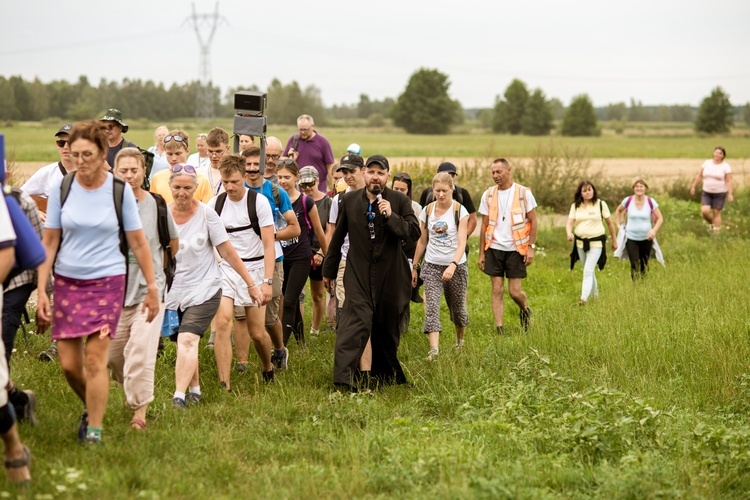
(557, 107)
(537, 119)
(425, 106)
(364, 107)
(8, 109)
(509, 112)
(714, 113)
(617, 111)
(637, 113)
(580, 119)
(663, 114)
(746, 113)
(682, 113)
(484, 117)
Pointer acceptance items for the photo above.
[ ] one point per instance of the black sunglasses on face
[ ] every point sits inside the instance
(61, 143)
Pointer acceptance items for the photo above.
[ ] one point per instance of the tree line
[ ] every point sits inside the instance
(425, 106)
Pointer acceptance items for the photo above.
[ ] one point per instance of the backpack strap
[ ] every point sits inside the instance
(295, 140)
(118, 193)
(62, 169)
(220, 200)
(457, 195)
(162, 220)
(276, 195)
(252, 211)
(456, 212)
(305, 211)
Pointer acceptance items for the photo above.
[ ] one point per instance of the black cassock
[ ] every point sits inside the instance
(377, 281)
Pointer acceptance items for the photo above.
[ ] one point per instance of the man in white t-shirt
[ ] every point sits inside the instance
(509, 227)
(39, 185)
(257, 252)
(217, 142)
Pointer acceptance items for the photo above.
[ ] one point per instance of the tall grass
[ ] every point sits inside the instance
(641, 393)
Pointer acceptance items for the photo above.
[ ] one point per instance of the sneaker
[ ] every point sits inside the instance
(432, 354)
(241, 367)
(179, 403)
(210, 344)
(29, 409)
(50, 354)
(459, 344)
(280, 359)
(268, 376)
(83, 427)
(222, 385)
(314, 332)
(525, 318)
(93, 439)
(192, 398)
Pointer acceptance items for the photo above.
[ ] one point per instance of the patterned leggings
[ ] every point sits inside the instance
(455, 295)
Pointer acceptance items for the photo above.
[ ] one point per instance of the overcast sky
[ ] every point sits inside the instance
(657, 51)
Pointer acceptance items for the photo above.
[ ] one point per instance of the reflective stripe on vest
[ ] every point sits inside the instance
(521, 231)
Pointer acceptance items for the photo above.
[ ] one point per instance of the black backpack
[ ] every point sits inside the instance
(251, 212)
(162, 225)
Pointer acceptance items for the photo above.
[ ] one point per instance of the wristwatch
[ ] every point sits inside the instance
(268, 280)
(533, 246)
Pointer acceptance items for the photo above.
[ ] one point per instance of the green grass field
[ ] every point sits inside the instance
(642, 393)
(34, 142)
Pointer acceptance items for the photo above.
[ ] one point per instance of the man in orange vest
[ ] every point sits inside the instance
(509, 227)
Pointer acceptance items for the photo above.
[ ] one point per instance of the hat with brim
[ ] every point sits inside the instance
(65, 129)
(378, 160)
(350, 162)
(308, 174)
(114, 115)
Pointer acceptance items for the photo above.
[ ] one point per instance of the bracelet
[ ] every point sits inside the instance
(320, 253)
(253, 285)
(454, 263)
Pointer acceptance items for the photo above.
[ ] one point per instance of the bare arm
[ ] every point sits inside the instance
(482, 231)
(7, 259)
(51, 242)
(730, 192)
(612, 232)
(292, 229)
(696, 181)
(318, 228)
(657, 224)
(569, 229)
(529, 257)
(471, 225)
(269, 261)
(174, 246)
(460, 249)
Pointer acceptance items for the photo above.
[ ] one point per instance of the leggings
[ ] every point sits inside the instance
(455, 295)
(295, 278)
(638, 252)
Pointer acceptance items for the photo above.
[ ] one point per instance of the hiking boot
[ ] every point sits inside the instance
(280, 359)
(268, 376)
(525, 318)
(83, 427)
(179, 403)
(210, 344)
(192, 398)
(50, 354)
(432, 354)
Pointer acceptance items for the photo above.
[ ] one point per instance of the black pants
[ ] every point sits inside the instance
(14, 305)
(638, 252)
(296, 273)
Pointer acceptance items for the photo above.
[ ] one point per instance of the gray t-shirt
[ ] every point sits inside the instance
(137, 286)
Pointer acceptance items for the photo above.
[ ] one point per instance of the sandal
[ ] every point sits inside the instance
(138, 424)
(19, 463)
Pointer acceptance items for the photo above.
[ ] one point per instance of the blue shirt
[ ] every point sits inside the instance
(266, 189)
(639, 221)
(90, 246)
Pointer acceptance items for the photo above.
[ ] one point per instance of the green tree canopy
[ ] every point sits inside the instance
(746, 113)
(714, 113)
(510, 111)
(537, 119)
(580, 119)
(616, 111)
(425, 106)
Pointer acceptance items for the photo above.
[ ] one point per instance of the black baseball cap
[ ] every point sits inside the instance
(447, 166)
(350, 162)
(380, 160)
(65, 129)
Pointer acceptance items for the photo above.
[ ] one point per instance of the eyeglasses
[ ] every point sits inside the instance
(252, 171)
(273, 157)
(61, 143)
(177, 138)
(305, 185)
(85, 156)
(215, 152)
(188, 169)
(303, 130)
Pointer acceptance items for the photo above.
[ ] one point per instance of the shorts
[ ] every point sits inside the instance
(197, 319)
(504, 264)
(234, 287)
(713, 200)
(316, 273)
(272, 307)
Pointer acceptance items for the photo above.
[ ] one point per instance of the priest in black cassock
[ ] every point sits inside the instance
(376, 279)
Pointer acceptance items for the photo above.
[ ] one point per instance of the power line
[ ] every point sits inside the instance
(204, 99)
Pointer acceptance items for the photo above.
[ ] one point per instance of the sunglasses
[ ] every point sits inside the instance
(188, 169)
(177, 138)
(109, 127)
(305, 185)
(287, 161)
(401, 177)
(61, 143)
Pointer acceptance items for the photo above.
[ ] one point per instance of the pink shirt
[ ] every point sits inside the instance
(714, 180)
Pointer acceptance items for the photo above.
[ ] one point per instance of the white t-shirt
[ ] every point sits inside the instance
(214, 178)
(417, 208)
(333, 216)
(90, 246)
(443, 236)
(41, 183)
(502, 237)
(714, 177)
(198, 162)
(198, 276)
(246, 242)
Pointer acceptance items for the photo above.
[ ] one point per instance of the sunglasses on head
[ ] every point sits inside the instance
(305, 185)
(177, 138)
(287, 161)
(401, 177)
(61, 143)
(189, 169)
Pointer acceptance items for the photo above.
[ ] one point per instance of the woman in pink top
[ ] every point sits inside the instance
(717, 188)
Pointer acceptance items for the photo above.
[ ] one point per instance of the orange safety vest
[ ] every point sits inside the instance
(521, 229)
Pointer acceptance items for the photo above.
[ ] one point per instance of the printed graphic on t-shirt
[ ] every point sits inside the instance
(439, 235)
